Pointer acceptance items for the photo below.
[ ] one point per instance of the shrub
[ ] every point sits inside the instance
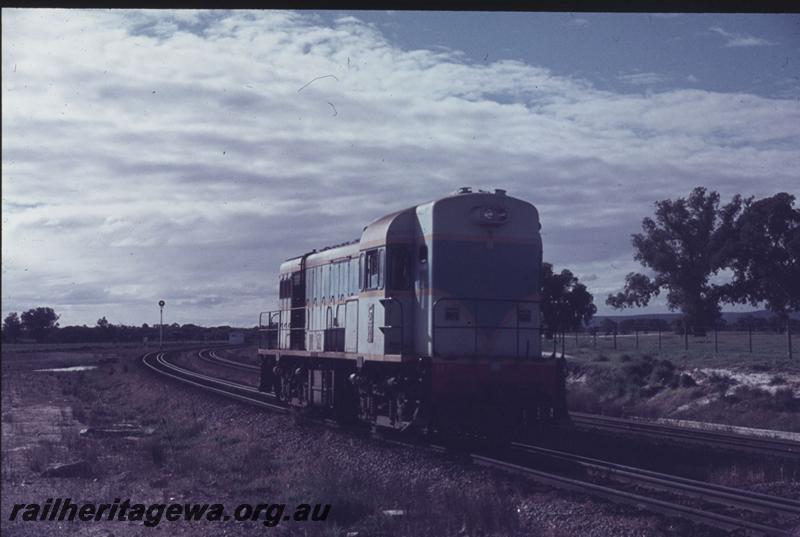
(664, 373)
(720, 383)
(686, 381)
(784, 401)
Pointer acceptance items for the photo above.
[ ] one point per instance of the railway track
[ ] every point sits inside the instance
(688, 491)
(673, 508)
(774, 447)
(519, 461)
(157, 361)
(211, 356)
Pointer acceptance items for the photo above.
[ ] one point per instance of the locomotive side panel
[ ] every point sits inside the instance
(385, 303)
(330, 293)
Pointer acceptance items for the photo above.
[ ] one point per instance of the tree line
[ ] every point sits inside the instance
(41, 325)
(566, 305)
(703, 254)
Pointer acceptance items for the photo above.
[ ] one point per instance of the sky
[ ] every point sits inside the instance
(184, 154)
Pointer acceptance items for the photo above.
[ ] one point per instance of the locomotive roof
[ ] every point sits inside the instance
(378, 227)
(325, 249)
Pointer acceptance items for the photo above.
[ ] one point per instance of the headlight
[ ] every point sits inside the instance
(492, 216)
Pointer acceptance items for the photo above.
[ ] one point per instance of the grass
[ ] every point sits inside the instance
(733, 351)
(210, 448)
(229, 453)
(650, 386)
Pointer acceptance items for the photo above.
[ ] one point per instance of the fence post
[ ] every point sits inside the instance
(615, 338)
(716, 343)
(685, 337)
(789, 335)
(750, 336)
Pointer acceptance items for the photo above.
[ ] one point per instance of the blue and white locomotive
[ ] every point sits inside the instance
(430, 319)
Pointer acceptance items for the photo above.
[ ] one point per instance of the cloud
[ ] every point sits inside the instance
(740, 40)
(153, 154)
(644, 79)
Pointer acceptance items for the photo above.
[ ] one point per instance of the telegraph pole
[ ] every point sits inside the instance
(161, 324)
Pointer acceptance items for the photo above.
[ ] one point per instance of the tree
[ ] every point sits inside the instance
(38, 322)
(102, 323)
(764, 255)
(566, 304)
(12, 327)
(684, 246)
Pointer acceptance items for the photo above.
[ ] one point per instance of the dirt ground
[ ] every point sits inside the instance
(155, 442)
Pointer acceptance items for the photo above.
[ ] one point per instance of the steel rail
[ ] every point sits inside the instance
(771, 446)
(211, 356)
(746, 499)
(618, 496)
(157, 362)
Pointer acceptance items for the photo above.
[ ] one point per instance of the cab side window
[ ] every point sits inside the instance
(372, 269)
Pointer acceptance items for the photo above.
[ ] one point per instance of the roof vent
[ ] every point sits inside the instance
(499, 191)
(465, 190)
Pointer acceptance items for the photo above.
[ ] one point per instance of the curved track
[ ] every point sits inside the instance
(157, 361)
(770, 508)
(667, 507)
(774, 447)
(211, 356)
(515, 462)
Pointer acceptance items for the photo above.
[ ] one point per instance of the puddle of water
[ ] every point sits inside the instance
(68, 369)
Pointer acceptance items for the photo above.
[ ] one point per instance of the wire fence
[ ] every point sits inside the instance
(769, 344)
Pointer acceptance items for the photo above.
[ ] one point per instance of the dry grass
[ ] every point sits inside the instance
(195, 442)
(644, 385)
(750, 476)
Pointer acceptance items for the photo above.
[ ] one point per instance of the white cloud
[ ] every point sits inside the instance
(644, 79)
(740, 40)
(155, 154)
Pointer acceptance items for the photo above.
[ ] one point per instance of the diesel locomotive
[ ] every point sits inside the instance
(429, 320)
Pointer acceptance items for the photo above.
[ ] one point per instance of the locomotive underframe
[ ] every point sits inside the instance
(409, 395)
